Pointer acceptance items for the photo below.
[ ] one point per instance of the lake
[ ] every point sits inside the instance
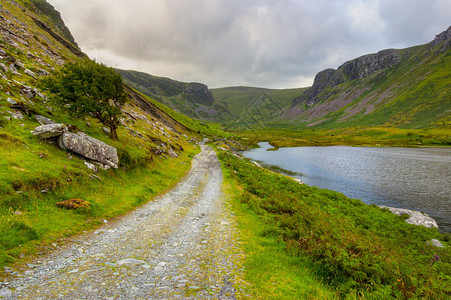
(411, 178)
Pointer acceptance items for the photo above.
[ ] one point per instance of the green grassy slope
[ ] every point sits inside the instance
(342, 248)
(414, 93)
(254, 107)
(191, 99)
(155, 145)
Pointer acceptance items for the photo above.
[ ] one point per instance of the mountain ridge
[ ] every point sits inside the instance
(393, 87)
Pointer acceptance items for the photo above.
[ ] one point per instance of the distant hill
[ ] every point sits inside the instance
(192, 99)
(405, 88)
(252, 107)
(397, 88)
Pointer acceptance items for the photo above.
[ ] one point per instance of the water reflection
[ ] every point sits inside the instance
(412, 178)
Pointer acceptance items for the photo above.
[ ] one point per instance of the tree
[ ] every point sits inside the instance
(89, 88)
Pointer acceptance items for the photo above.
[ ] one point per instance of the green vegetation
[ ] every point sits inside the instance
(35, 175)
(272, 273)
(55, 17)
(254, 107)
(202, 128)
(191, 99)
(354, 250)
(89, 88)
(352, 136)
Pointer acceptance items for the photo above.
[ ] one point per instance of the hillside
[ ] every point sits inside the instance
(252, 107)
(192, 99)
(406, 88)
(153, 151)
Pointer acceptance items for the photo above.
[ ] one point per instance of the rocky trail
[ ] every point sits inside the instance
(181, 245)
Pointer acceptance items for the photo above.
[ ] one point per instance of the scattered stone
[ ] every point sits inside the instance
(130, 260)
(415, 217)
(435, 243)
(73, 204)
(193, 287)
(50, 130)
(73, 271)
(16, 115)
(17, 213)
(5, 292)
(91, 167)
(106, 130)
(12, 102)
(89, 147)
(146, 266)
(30, 73)
(43, 120)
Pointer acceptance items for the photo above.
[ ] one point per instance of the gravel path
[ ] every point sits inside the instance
(181, 245)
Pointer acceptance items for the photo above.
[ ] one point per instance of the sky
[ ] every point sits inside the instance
(262, 43)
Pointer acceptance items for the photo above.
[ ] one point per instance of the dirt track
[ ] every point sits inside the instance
(181, 245)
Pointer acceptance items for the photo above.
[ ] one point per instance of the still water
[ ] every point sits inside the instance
(411, 178)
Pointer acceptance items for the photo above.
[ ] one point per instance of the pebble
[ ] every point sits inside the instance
(130, 261)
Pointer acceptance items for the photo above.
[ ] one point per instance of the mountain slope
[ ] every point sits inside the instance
(395, 88)
(192, 99)
(154, 146)
(252, 107)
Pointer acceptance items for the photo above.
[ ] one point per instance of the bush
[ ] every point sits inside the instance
(88, 88)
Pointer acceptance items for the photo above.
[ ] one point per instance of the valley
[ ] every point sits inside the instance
(119, 184)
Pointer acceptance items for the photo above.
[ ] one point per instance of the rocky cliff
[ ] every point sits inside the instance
(405, 87)
(358, 68)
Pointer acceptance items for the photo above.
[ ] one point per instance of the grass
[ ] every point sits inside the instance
(29, 217)
(355, 250)
(271, 272)
(353, 136)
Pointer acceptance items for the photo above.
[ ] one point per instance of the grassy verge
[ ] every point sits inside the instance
(30, 220)
(373, 136)
(355, 250)
(272, 273)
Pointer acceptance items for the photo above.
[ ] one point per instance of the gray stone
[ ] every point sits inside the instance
(91, 167)
(435, 243)
(43, 120)
(106, 130)
(16, 115)
(11, 102)
(50, 130)
(5, 292)
(130, 260)
(415, 217)
(89, 147)
(30, 73)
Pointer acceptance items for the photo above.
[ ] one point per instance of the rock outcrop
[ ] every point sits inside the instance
(89, 147)
(415, 217)
(50, 130)
(443, 38)
(198, 93)
(358, 68)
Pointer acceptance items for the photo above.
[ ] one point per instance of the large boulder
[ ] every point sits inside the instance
(89, 147)
(50, 130)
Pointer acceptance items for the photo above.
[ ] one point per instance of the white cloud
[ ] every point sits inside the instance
(268, 43)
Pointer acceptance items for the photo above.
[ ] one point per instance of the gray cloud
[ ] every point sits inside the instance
(247, 42)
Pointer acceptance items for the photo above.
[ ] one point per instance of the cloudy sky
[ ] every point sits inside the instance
(267, 43)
